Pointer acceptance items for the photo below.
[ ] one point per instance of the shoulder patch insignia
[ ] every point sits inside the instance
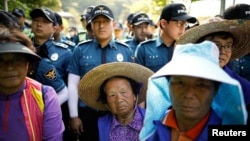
(61, 45)
(50, 74)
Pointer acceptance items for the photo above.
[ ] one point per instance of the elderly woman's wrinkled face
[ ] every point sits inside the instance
(191, 96)
(13, 70)
(120, 97)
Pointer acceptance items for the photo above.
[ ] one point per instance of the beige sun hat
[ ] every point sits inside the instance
(240, 29)
(89, 86)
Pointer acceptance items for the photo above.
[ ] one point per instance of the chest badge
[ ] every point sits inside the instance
(54, 57)
(119, 57)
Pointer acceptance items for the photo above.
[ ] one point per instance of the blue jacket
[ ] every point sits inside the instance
(104, 124)
(245, 84)
(163, 133)
(242, 66)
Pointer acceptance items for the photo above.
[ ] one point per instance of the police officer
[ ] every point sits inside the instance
(129, 33)
(72, 33)
(19, 13)
(57, 54)
(155, 53)
(59, 36)
(43, 27)
(89, 54)
(140, 28)
(83, 33)
(239, 65)
(118, 31)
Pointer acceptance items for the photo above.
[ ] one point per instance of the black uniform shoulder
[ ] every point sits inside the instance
(121, 43)
(59, 44)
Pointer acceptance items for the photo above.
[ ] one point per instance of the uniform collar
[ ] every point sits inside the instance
(111, 44)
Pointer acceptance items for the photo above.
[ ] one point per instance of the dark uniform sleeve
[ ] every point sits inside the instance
(47, 74)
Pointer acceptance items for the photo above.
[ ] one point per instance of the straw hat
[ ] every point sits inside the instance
(89, 86)
(240, 29)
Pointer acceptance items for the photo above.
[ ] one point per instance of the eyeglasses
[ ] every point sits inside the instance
(181, 23)
(227, 48)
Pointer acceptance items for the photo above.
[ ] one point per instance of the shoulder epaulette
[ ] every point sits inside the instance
(121, 43)
(84, 42)
(148, 41)
(70, 43)
(58, 44)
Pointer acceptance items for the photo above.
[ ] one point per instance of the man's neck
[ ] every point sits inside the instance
(166, 39)
(103, 43)
(40, 41)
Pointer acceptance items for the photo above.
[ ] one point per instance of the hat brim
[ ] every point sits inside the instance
(92, 18)
(238, 28)
(89, 86)
(177, 67)
(40, 13)
(188, 18)
(10, 47)
(141, 22)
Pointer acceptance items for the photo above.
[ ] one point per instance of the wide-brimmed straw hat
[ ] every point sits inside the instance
(89, 86)
(240, 29)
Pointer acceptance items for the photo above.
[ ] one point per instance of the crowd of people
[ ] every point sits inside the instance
(101, 84)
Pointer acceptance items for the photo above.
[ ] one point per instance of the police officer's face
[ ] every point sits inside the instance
(141, 31)
(172, 29)
(102, 27)
(13, 70)
(42, 27)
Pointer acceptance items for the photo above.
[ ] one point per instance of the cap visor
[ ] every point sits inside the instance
(102, 15)
(186, 18)
(39, 13)
(141, 22)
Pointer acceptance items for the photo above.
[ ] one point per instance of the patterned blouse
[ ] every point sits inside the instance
(129, 132)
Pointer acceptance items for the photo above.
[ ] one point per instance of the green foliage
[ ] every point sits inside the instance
(28, 5)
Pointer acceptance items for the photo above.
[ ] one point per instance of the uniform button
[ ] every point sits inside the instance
(242, 67)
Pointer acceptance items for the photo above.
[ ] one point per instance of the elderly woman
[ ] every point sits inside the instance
(188, 94)
(232, 39)
(29, 110)
(117, 87)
